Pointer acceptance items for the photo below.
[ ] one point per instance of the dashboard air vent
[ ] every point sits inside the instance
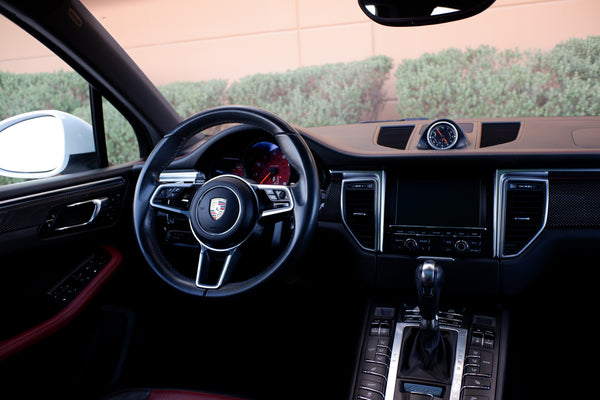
(495, 133)
(395, 136)
(360, 211)
(524, 213)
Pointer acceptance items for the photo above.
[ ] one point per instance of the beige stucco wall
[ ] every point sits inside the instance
(190, 40)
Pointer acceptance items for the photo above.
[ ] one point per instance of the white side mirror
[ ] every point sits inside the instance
(41, 144)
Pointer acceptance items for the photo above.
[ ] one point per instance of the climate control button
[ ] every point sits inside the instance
(411, 244)
(461, 246)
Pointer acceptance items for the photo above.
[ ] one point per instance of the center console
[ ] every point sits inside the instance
(422, 352)
(428, 219)
(475, 365)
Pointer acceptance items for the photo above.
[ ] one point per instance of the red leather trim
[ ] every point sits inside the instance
(184, 395)
(25, 339)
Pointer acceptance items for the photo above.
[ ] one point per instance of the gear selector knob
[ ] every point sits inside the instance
(429, 279)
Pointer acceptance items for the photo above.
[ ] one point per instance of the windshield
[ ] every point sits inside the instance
(318, 63)
(326, 63)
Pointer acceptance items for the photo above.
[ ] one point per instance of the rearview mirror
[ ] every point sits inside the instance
(46, 143)
(421, 12)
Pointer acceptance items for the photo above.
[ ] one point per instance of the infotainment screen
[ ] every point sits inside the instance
(455, 203)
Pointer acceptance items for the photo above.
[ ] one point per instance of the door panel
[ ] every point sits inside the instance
(59, 212)
(61, 240)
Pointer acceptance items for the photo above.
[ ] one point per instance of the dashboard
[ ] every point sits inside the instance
(473, 193)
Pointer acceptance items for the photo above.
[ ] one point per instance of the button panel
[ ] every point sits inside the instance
(449, 317)
(376, 356)
(477, 354)
(480, 369)
(438, 241)
(175, 195)
(72, 284)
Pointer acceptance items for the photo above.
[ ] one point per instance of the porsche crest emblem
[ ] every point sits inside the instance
(217, 207)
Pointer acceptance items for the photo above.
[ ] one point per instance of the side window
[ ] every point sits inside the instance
(121, 142)
(46, 124)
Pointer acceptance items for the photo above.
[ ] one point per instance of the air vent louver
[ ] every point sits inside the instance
(359, 211)
(524, 214)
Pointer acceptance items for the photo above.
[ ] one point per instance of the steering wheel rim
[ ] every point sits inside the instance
(305, 198)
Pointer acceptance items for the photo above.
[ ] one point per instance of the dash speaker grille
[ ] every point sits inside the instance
(574, 204)
(495, 133)
(395, 136)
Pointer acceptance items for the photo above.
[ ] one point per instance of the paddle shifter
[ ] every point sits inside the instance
(429, 278)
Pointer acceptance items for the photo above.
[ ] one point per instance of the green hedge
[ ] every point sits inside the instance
(19, 93)
(189, 98)
(486, 82)
(332, 94)
(310, 96)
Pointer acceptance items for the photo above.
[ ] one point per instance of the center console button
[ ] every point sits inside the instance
(474, 352)
(371, 349)
(385, 350)
(472, 369)
(411, 244)
(486, 364)
(371, 384)
(364, 393)
(473, 382)
(461, 246)
(470, 394)
(488, 340)
(477, 338)
(381, 358)
(375, 368)
(383, 341)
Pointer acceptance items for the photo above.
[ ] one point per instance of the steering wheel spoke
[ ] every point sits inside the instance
(275, 199)
(175, 190)
(215, 268)
(174, 197)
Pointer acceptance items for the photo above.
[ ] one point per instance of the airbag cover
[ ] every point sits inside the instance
(224, 212)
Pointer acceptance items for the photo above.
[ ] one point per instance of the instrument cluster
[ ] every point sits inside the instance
(262, 161)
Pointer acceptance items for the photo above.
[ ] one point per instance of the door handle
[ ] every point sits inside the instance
(79, 214)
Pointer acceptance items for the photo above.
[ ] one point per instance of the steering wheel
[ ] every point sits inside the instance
(223, 212)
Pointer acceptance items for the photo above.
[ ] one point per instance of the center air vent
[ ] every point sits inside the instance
(524, 214)
(360, 211)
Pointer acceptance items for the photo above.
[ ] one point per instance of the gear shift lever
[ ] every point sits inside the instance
(429, 279)
(427, 351)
